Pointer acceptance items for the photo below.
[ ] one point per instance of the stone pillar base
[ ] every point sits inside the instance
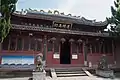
(85, 63)
(39, 75)
(44, 63)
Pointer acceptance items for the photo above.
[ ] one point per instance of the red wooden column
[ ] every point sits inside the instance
(90, 49)
(71, 42)
(53, 40)
(53, 48)
(79, 42)
(113, 51)
(71, 49)
(16, 45)
(9, 43)
(85, 53)
(45, 50)
(29, 44)
(30, 35)
(59, 48)
(23, 43)
(42, 45)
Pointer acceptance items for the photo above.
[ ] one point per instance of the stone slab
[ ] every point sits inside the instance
(106, 74)
(87, 72)
(39, 75)
(53, 73)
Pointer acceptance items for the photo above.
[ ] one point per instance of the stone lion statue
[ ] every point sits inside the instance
(103, 64)
(39, 62)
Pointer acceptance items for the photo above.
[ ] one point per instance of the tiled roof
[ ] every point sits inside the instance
(64, 18)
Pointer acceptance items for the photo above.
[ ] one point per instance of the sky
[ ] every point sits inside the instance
(90, 9)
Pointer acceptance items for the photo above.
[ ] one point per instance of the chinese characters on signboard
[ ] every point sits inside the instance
(62, 25)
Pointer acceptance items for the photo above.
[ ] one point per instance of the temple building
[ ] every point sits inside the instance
(64, 40)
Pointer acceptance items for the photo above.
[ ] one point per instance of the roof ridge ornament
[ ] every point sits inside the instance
(56, 12)
(35, 10)
(49, 11)
(69, 15)
(62, 13)
(30, 9)
(23, 12)
(42, 11)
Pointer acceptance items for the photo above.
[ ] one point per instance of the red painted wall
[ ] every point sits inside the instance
(94, 58)
(117, 54)
(79, 61)
(51, 60)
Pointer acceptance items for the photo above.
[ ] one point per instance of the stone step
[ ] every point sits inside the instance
(76, 72)
(66, 70)
(70, 72)
(70, 75)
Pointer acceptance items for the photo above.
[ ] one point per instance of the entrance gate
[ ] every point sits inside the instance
(65, 54)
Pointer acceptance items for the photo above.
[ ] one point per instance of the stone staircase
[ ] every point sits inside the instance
(70, 72)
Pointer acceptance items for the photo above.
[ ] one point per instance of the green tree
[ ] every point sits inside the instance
(114, 21)
(7, 7)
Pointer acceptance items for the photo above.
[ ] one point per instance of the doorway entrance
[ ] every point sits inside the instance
(65, 55)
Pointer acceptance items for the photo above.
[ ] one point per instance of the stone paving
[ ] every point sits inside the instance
(84, 78)
(24, 78)
(65, 78)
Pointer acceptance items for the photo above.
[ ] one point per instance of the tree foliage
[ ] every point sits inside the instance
(114, 21)
(7, 7)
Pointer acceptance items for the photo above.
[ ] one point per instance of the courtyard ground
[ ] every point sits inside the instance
(65, 78)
